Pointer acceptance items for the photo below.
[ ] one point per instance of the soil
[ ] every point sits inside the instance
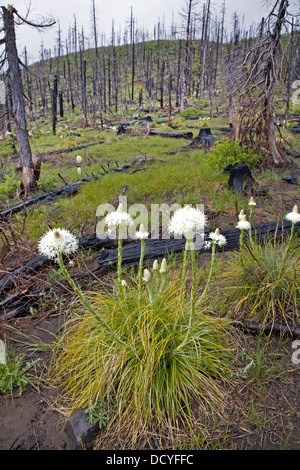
(259, 416)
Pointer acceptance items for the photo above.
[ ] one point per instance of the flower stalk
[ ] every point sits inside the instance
(294, 218)
(83, 299)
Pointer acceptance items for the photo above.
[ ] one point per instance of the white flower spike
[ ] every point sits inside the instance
(163, 267)
(142, 234)
(155, 265)
(78, 159)
(118, 217)
(294, 216)
(252, 202)
(147, 275)
(243, 224)
(217, 238)
(241, 214)
(186, 221)
(57, 241)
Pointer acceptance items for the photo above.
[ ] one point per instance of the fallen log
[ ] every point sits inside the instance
(71, 149)
(156, 249)
(37, 263)
(22, 301)
(49, 196)
(40, 262)
(275, 328)
(176, 135)
(291, 153)
(72, 188)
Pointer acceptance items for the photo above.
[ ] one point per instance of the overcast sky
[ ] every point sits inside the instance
(147, 14)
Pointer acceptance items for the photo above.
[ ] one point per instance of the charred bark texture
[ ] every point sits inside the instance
(28, 181)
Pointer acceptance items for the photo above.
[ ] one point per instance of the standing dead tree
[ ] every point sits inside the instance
(185, 74)
(254, 85)
(10, 17)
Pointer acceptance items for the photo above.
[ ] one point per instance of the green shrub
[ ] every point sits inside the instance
(190, 112)
(230, 152)
(14, 372)
(9, 186)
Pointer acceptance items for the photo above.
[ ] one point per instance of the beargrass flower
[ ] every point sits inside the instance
(57, 241)
(78, 159)
(294, 216)
(186, 221)
(123, 283)
(163, 267)
(79, 171)
(252, 202)
(118, 217)
(241, 214)
(2, 353)
(142, 234)
(217, 238)
(243, 223)
(147, 275)
(155, 265)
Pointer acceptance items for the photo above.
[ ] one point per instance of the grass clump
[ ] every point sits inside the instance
(261, 281)
(147, 350)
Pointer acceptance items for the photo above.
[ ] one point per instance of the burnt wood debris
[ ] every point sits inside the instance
(21, 301)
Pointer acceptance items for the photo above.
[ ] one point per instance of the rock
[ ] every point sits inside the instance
(80, 432)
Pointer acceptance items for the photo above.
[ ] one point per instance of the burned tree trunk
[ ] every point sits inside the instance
(54, 105)
(254, 79)
(28, 180)
(270, 70)
(17, 92)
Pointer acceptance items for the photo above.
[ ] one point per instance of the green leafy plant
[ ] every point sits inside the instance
(97, 414)
(229, 152)
(9, 186)
(14, 371)
(258, 368)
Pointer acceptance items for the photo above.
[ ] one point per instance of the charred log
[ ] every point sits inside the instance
(156, 249)
(175, 135)
(22, 301)
(275, 328)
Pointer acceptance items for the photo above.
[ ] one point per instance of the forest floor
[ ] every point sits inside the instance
(261, 413)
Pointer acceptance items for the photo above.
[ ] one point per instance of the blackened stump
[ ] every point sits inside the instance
(240, 178)
(205, 137)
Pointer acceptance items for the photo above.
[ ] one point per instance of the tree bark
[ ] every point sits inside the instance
(28, 180)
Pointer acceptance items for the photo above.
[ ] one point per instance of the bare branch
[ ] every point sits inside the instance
(41, 25)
